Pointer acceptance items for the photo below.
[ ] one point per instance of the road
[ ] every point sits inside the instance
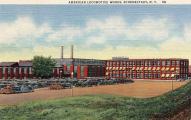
(138, 89)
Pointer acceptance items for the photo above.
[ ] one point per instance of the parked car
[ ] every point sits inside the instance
(2, 86)
(26, 89)
(66, 85)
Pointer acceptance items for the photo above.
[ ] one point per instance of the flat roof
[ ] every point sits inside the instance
(149, 59)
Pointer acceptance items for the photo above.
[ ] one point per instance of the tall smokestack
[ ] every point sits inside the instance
(72, 47)
(62, 52)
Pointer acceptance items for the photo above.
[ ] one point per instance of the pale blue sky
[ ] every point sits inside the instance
(28, 28)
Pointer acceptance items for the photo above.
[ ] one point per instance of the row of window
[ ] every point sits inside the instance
(181, 71)
(139, 72)
(147, 63)
(148, 75)
(137, 75)
(24, 69)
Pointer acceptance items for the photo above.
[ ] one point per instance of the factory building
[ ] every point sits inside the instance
(16, 70)
(9, 70)
(79, 68)
(159, 69)
(117, 67)
(65, 67)
(25, 69)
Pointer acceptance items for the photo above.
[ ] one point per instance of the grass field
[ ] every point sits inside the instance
(98, 107)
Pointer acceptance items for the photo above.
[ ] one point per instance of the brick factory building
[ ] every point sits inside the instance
(79, 68)
(117, 67)
(25, 69)
(9, 70)
(16, 70)
(161, 69)
(66, 67)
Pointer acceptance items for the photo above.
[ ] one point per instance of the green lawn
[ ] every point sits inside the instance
(97, 107)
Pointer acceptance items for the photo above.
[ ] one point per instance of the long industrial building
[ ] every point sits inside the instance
(117, 67)
(79, 68)
(158, 69)
(65, 67)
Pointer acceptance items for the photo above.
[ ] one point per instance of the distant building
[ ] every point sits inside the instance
(159, 69)
(16, 70)
(79, 68)
(9, 70)
(25, 69)
(163, 69)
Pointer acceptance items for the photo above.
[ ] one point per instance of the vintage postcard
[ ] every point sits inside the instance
(95, 60)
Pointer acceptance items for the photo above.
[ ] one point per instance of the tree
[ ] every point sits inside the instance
(43, 66)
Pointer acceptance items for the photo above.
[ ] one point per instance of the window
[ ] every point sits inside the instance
(127, 63)
(3, 70)
(124, 74)
(168, 63)
(124, 63)
(177, 62)
(14, 70)
(82, 71)
(147, 63)
(154, 63)
(130, 63)
(20, 70)
(111, 75)
(117, 75)
(25, 70)
(142, 63)
(117, 63)
(121, 63)
(134, 76)
(150, 63)
(158, 63)
(133, 63)
(114, 63)
(184, 63)
(9, 69)
(149, 75)
(141, 75)
(138, 75)
(75, 68)
(146, 75)
(121, 74)
(163, 63)
(138, 63)
(30, 70)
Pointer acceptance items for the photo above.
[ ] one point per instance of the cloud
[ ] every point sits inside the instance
(65, 33)
(95, 40)
(95, 31)
(22, 29)
(112, 26)
(150, 29)
(116, 30)
(114, 34)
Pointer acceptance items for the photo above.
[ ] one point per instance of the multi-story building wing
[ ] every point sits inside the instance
(148, 68)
